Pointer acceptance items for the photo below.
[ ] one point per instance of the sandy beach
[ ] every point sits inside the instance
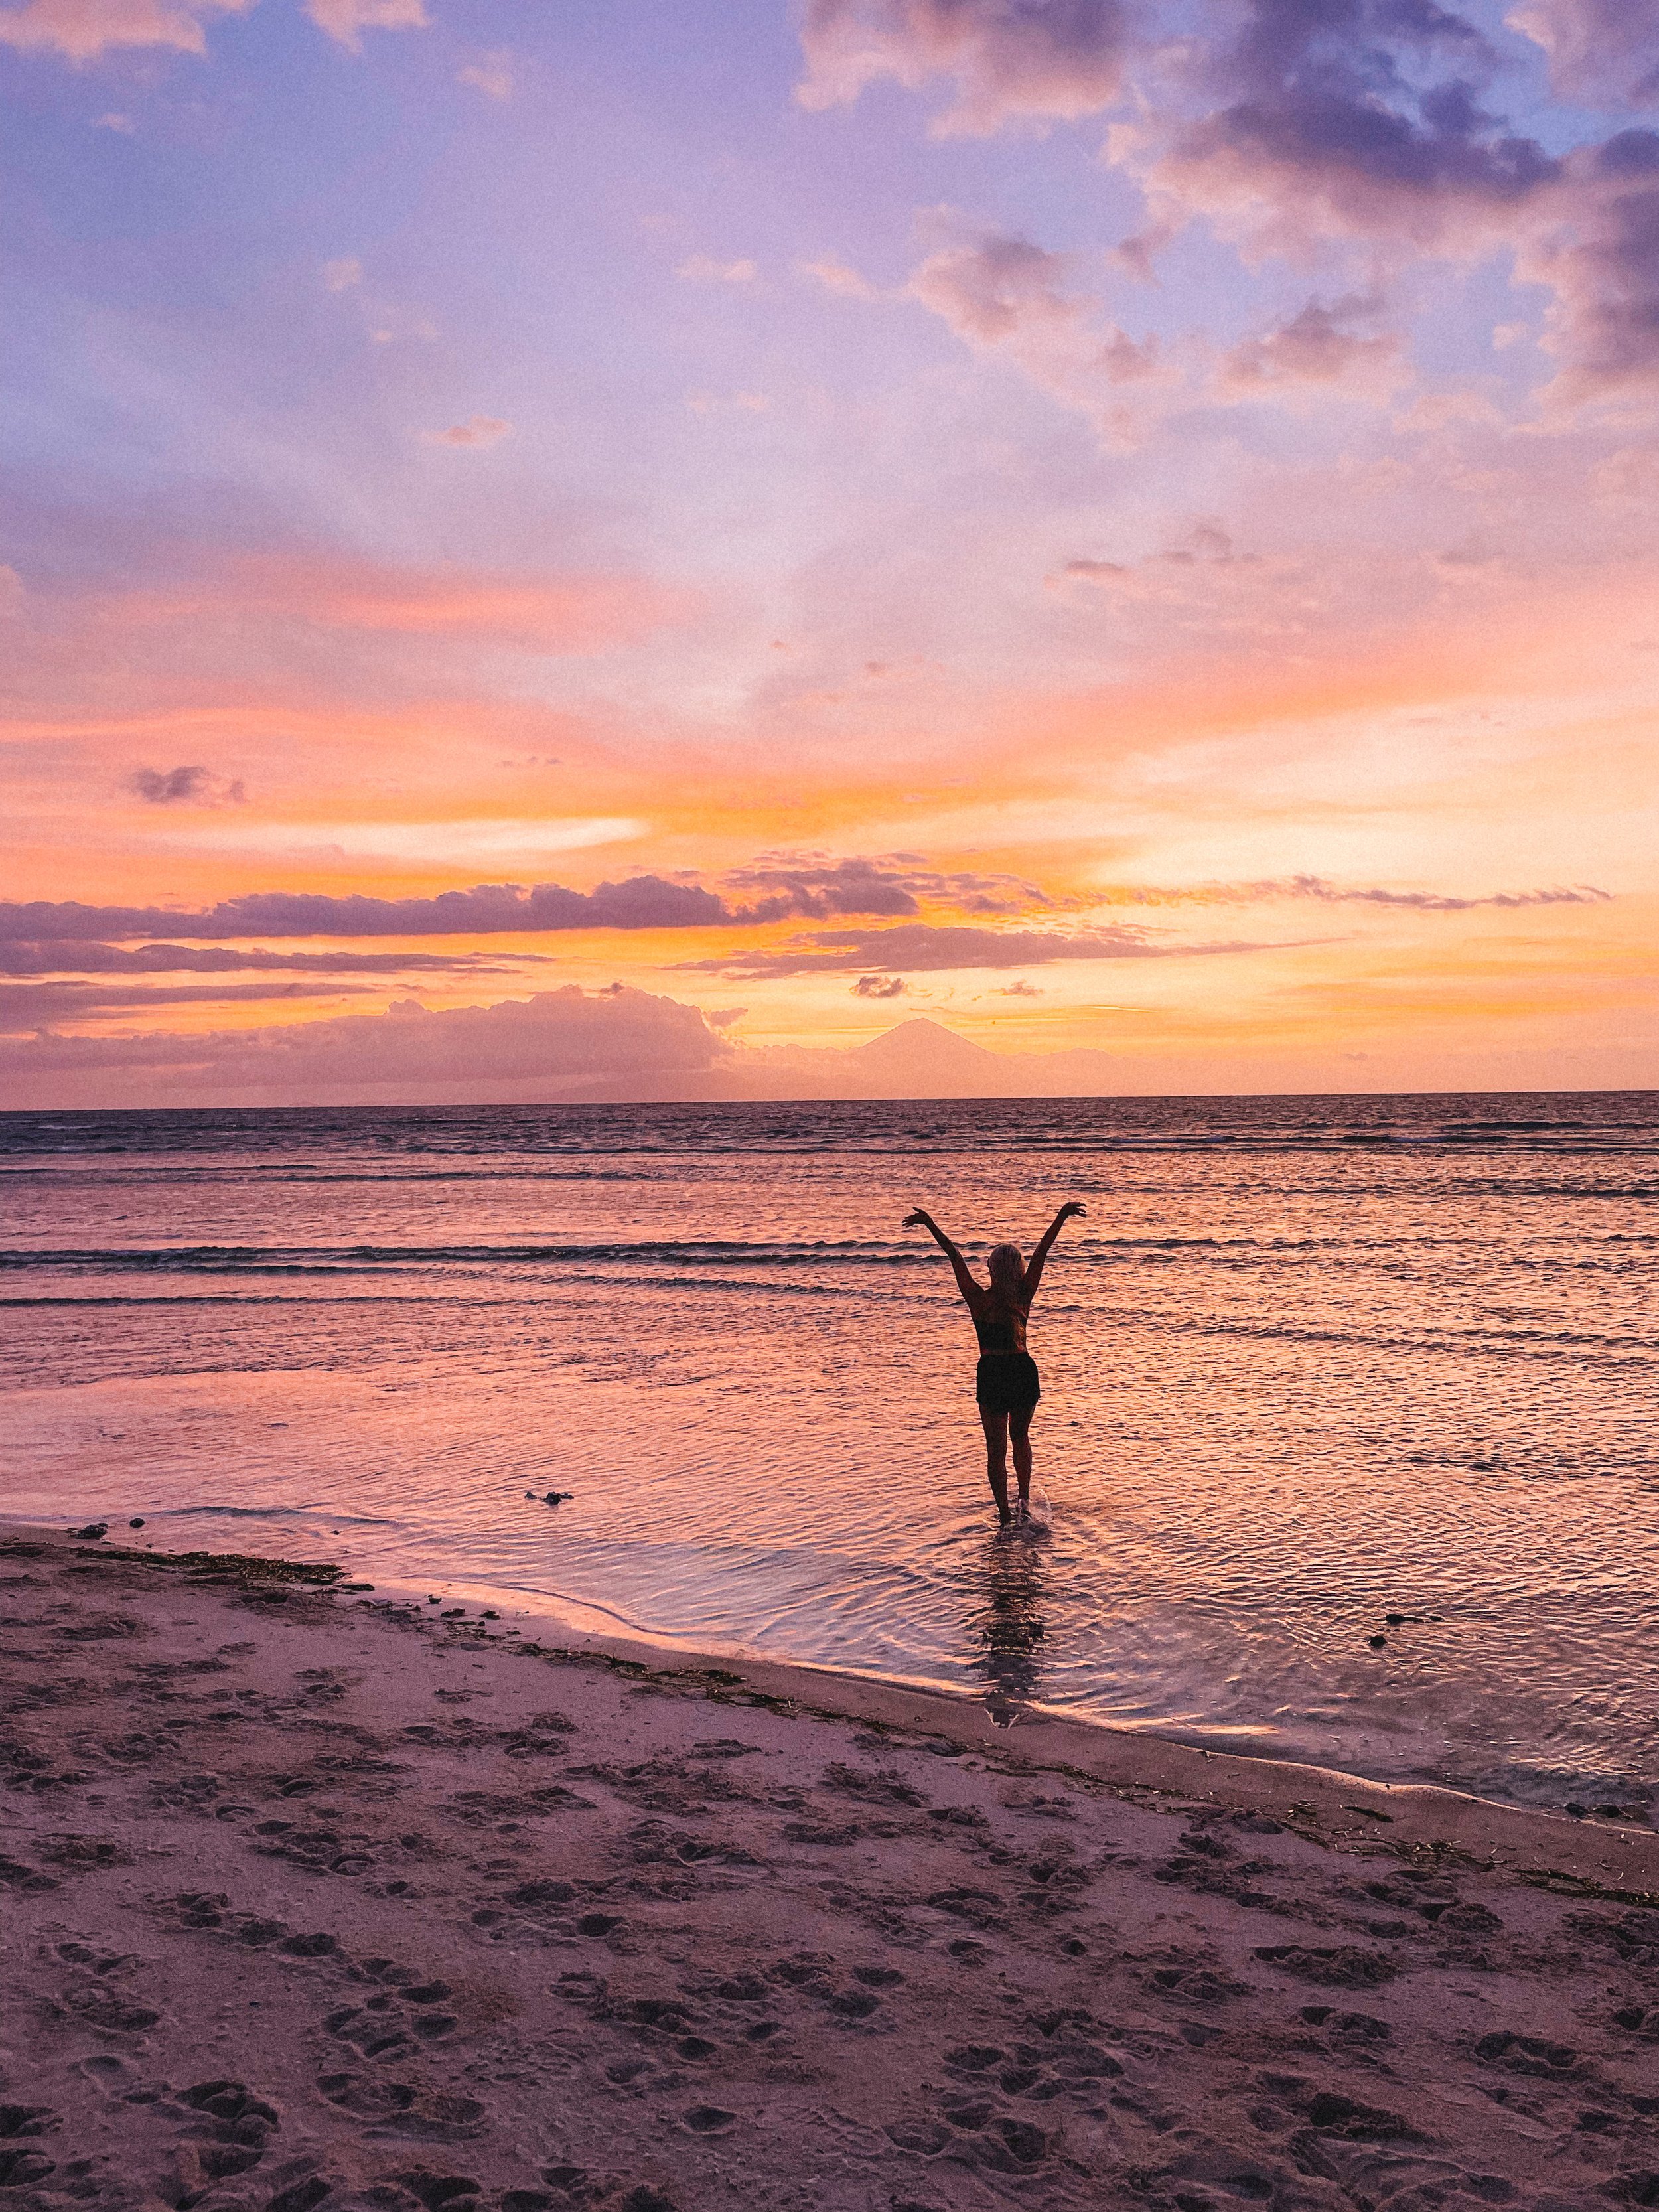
(318, 1899)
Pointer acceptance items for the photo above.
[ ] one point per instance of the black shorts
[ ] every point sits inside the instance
(1007, 1382)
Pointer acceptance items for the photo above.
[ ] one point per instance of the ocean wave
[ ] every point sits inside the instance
(335, 1519)
(730, 1252)
(300, 1259)
(393, 1141)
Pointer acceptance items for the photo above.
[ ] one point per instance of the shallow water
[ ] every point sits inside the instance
(1308, 1361)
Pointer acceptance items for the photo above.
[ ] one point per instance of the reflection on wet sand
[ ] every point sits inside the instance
(1005, 1625)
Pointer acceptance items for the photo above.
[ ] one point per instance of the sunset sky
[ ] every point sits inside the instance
(1117, 529)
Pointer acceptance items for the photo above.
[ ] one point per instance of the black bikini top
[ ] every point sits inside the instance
(998, 1323)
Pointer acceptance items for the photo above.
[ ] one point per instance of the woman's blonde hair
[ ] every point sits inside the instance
(1007, 1265)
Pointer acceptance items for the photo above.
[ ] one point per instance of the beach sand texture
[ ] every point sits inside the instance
(312, 1902)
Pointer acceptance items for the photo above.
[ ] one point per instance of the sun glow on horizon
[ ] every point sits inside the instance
(902, 518)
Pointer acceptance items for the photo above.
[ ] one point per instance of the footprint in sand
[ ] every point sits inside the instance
(438, 2192)
(23, 2162)
(302, 2196)
(380, 2029)
(436, 2116)
(108, 2012)
(229, 2127)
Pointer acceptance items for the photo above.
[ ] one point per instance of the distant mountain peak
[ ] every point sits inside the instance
(923, 1045)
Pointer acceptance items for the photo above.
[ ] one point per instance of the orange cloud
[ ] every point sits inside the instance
(552, 614)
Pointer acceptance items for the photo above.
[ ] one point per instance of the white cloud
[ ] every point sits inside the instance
(124, 124)
(340, 275)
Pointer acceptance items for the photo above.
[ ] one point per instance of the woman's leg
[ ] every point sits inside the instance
(996, 1457)
(1019, 1428)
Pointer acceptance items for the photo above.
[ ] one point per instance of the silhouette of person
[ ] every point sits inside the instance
(1006, 1383)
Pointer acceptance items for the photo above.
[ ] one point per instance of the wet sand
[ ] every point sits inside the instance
(317, 1900)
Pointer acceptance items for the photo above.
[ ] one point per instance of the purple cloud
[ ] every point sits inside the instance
(816, 886)
(62, 957)
(564, 1044)
(1327, 894)
(185, 786)
(921, 947)
(26, 1007)
(1297, 125)
(1362, 115)
(488, 910)
(1601, 258)
(789, 888)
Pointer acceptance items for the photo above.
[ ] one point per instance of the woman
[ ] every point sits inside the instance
(1006, 1387)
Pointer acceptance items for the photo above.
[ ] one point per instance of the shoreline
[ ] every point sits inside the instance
(600, 1626)
(1343, 1805)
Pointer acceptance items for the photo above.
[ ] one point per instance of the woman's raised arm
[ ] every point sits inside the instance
(965, 1283)
(1046, 1242)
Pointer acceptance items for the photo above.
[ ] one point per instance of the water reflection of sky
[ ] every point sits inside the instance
(1005, 1623)
(1291, 1385)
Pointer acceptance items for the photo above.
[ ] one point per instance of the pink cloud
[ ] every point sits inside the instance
(1601, 50)
(564, 1044)
(476, 430)
(1316, 348)
(836, 277)
(492, 75)
(703, 268)
(82, 30)
(1008, 296)
(1043, 60)
(552, 614)
(346, 21)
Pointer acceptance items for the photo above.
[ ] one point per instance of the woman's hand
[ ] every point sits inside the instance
(1072, 1207)
(919, 1219)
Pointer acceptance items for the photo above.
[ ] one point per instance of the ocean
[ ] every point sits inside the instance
(1308, 1363)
